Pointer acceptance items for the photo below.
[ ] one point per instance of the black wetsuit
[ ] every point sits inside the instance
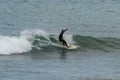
(61, 38)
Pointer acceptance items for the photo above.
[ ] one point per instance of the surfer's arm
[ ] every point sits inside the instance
(65, 29)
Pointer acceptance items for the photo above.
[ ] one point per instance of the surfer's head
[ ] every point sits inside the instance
(62, 30)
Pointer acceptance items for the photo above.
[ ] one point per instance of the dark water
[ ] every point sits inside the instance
(29, 46)
(64, 65)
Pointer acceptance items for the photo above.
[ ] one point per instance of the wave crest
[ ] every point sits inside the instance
(43, 41)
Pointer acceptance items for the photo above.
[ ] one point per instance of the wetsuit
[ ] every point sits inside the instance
(61, 38)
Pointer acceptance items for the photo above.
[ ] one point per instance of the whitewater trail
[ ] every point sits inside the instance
(28, 40)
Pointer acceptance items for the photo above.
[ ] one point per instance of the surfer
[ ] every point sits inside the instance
(61, 37)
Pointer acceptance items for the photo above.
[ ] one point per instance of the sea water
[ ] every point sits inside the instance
(29, 46)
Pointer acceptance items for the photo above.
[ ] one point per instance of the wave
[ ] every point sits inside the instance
(31, 40)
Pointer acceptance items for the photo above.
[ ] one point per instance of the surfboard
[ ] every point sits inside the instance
(71, 47)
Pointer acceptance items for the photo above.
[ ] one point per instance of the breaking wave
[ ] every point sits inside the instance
(31, 40)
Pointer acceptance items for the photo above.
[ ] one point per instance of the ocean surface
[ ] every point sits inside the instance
(29, 46)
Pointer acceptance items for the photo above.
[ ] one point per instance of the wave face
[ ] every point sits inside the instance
(32, 40)
(105, 44)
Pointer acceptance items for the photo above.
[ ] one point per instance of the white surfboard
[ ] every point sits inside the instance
(71, 47)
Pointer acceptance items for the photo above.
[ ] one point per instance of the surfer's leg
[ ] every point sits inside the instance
(65, 43)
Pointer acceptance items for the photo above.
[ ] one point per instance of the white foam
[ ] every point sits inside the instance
(19, 44)
(9, 45)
